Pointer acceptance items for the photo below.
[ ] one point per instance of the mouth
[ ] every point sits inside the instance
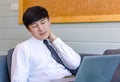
(42, 33)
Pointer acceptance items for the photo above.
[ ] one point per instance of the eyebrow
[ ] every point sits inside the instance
(43, 19)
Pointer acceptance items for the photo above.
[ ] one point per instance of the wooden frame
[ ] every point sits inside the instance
(90, 10)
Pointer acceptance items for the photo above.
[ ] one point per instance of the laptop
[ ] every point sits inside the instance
(95, 69)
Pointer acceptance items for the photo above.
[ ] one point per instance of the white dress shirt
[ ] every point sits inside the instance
(32, 61)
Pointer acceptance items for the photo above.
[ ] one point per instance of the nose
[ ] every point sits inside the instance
(40, 27)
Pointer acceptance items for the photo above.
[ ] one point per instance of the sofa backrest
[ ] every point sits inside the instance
(9, 60)
(4, 76)
(111, 51)
(87, 54)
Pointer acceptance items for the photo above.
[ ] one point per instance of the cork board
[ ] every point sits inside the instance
(67, 11)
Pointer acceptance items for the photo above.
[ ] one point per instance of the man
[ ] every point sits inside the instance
(32, 61)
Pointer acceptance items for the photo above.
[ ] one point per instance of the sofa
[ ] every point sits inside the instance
(4, 76)
(5, 64)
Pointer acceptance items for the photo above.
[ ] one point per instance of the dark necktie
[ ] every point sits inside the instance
(53, 52)
(57, 58)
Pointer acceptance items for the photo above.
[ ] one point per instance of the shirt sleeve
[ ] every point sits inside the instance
(19, 68)
(69, 57)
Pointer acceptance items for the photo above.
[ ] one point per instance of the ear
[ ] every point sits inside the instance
(28, 29)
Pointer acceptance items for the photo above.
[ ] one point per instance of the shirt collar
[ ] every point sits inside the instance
(37, 40)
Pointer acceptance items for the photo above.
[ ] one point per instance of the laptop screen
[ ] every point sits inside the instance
(97, 68)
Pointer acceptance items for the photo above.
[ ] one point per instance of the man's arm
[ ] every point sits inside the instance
(19, 68)
(69, 57)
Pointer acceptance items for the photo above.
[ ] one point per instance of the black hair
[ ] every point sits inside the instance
(33, 14)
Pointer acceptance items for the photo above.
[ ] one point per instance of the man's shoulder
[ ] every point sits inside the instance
(24, 43)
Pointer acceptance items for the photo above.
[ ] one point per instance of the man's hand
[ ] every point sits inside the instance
(52, 37)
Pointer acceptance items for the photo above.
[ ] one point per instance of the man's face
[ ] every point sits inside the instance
(40, 29)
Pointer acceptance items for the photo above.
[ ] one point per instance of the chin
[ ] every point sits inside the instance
(43, 38)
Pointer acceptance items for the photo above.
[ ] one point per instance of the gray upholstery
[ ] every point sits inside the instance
(111, 51)
(4, 76)
(86, 54)
(116, 76)
(9, 59)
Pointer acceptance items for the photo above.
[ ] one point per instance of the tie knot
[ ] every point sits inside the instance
(45, 41)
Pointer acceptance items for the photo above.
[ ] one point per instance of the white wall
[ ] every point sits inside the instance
(82, 37)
